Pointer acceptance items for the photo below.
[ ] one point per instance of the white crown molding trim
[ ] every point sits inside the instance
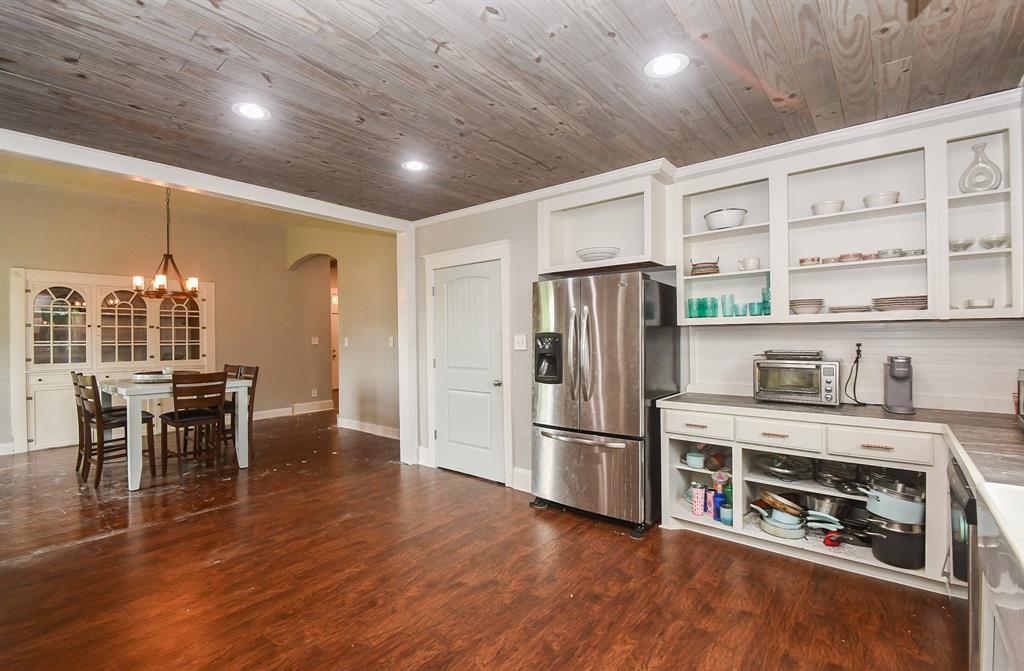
(660, 167)
(311, 406)
(521, 479)
(427, 457)
(995, 102)
(367, 427)
(182, 178)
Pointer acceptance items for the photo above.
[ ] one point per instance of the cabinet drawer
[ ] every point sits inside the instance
(698, 424)
(793, 435)
(913, 448)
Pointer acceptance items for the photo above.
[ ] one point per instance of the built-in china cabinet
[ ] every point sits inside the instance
(94, 324)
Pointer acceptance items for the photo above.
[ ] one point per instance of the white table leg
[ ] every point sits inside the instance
(134, 442)
(242, 430)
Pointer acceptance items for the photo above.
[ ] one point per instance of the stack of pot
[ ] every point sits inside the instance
(897, 522)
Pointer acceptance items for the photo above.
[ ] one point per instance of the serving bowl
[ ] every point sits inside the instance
(695, 459)
(598, 253)
(979, 303)
(991, 241)
(960, 244)
(881, 198)
(727, 217)
(828, 206)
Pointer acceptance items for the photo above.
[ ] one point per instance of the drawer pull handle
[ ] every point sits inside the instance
(770, 434)
(875, 446)
(696, 426)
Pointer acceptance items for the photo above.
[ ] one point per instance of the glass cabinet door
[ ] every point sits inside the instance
(59, 326)
(180, 330)
(123, 332)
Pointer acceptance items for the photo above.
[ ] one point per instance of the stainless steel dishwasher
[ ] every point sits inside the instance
(964, 517)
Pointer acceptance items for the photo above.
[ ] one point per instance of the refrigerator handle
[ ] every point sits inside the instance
(585, 372)
(571, 364)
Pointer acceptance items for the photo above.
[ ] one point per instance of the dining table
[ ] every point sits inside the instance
(136, 394)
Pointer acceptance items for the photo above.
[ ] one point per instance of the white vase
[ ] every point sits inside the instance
(982, 174)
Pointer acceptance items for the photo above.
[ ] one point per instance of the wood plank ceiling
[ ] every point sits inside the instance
(499, 96)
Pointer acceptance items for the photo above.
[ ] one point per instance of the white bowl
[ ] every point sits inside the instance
(979, 303)
(728, 217)
(990, 241)
(960, 244)
(828, 206)
(805, 309)
(881, 198)
(597, 253)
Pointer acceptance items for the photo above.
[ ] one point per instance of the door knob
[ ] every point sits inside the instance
(496, 383)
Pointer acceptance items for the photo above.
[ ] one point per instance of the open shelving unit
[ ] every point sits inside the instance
(781, 228)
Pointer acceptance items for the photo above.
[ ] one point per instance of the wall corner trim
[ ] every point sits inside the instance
(521, 479)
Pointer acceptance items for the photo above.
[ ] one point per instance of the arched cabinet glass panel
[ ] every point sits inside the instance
(179, 330)
(123, 322)
(58, 326)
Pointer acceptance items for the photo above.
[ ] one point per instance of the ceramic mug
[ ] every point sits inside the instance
(749, 263)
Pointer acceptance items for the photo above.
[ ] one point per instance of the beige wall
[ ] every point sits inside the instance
(518, 224)
(265, 313)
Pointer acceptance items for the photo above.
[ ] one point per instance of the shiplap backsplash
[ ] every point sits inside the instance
(957, 365)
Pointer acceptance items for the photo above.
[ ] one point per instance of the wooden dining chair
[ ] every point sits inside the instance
(99, 420)
(199, 405)
(244, 373)
(232, 370)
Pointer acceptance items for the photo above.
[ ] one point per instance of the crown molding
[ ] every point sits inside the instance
(993, 102)
(191, 180)
(660, 168)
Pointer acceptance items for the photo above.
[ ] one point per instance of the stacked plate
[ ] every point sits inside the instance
(806, 306)
(597, 253)
(704, 267)
(900, 303)
(840, 309)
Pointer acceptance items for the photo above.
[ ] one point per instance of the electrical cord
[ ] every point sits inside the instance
(854, 374)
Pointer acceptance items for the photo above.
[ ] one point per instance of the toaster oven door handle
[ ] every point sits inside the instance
(784, 364)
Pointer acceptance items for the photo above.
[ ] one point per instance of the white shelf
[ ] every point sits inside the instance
(727, 232)
(978, 197)
(983, 313)
(855, 553)
(971, 253)
(873, 316)
(864, 212)
(714, 321)
(684, 467)
(854, 264)
(811, 486)
(735, 273)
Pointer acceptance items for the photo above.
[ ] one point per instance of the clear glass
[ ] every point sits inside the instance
(790, 380)
(754, 309)
(981, 173)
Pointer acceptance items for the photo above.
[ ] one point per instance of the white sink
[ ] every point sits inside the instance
(1008, 501)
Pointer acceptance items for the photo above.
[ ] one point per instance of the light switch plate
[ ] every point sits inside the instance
(391, 341)
(314, 340)
(519, 342)
(346, 342)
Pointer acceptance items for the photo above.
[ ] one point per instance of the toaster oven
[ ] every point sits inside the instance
(797, 381)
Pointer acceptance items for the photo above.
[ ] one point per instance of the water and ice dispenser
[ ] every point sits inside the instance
(547, 358)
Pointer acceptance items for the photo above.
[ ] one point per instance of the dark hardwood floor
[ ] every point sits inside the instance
(329, 554)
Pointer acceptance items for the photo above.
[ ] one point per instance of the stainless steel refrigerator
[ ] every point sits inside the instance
(606, 347)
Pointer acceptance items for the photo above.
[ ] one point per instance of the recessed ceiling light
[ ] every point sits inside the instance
(251, 111)
(666, 65)
(415, 166)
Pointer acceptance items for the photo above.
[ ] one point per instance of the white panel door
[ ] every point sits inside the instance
(467, 346)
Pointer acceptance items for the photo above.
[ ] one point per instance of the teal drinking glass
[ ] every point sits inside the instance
(691, 308)
(702, 307)
(754, 309)
(712, 307)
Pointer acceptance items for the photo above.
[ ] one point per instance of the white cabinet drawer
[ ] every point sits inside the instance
(698, 424)
(912, 448)
(792, 435)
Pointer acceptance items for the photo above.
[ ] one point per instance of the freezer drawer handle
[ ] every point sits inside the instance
(772, 434)
(696, 426)
(581, 441)
(874, 446)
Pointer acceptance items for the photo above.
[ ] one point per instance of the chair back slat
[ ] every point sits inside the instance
(92, 400)
(232, 369)
(198, 391)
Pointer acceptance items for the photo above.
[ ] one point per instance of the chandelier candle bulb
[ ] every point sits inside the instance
(138, 282)
(160, 282)
(192, 284)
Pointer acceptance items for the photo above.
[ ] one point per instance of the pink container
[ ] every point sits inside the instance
(699, 501)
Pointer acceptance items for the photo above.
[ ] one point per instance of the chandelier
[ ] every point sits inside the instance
(187, 288)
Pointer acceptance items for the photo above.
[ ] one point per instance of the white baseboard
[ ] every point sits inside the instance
(521, 478)
(367, 427)
(427, 457)
(312, 406)
(7, 448)
(272, 413)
